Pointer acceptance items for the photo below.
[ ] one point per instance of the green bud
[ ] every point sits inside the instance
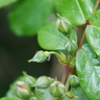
(63, 25)
(29, 80)
(71, 95)
(71, 46)
(62, 58)
(43, 82)
(71, 60)
(40, 56)
(33, 98)
(22, 90)
(73, 80)
(57, 89)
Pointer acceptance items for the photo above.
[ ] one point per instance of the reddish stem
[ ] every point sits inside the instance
(66, 72)
(87, 23)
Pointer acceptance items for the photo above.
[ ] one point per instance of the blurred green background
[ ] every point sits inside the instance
(19, 22)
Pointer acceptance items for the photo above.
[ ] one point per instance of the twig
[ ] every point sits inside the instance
(82, 39)
(96, 6)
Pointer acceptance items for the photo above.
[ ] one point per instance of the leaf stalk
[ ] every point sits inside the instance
(96, 6)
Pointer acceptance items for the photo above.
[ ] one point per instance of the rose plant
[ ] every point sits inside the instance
(74, 38)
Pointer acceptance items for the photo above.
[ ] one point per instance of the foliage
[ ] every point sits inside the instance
(10, 98)
(82, 57)
(6, 2)
(26, 16)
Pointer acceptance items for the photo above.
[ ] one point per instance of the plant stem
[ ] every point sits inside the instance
(96, 6)
(67, 85)
(66, 72)
(82, 39)
(64, 76)
(83, 36)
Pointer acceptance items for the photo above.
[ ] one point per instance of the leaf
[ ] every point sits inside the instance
(27, 16)
(50, 38)
(88, 70)
(93, 38)
(76, 11)
(78, 93)
(95, 19)
(4, 3)
(73, 35)
(10, 98)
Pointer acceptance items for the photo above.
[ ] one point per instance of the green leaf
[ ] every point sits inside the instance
(93, 38)
(50, 38)
(27, 16)
(95, 19)
(73, 35)
(88, 70)
(10, 98)
(78, 93)
(4, 3)
(76, 11)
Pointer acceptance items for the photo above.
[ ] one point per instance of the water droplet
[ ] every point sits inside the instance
(48, 59)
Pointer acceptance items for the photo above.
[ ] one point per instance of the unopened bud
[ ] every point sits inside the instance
(62, 58)
(43, 82)
(29, 80)
(63, 25)
(72, 61)
(40, 56)
(71, 95)
(73, 80)
(22, 90)
(57, 89)
(33, 98)
(71, 46)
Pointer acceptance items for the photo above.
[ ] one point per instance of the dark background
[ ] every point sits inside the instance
(14, 53)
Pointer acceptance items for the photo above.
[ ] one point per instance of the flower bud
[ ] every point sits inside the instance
(29, 80)
(72, 61)
(71, 46)
(71, 95)
(62, 58)
(43, 82)
(57, 90)
(33, 98)
(22, 90)
(40, 56)
(73, 80)
(63, 25)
